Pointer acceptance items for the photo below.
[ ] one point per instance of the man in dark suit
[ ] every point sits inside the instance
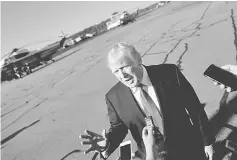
(160, 91)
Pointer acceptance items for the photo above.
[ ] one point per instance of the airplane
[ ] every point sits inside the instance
(20, 59)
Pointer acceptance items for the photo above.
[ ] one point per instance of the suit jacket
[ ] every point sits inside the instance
(185, 133)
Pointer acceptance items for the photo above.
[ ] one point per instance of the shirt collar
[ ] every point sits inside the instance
(145, 79)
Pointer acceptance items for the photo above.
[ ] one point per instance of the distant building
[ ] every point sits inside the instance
(2, 62)
(114, 21)
(68, 42)
(78, 39)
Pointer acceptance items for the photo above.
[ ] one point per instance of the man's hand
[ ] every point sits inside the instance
(98, 143)
(232, 69)
(209, 152)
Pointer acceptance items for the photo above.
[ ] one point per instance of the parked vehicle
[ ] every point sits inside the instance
(125, 18)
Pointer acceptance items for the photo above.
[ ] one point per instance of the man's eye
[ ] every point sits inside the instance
(127, 67)
(115, 72)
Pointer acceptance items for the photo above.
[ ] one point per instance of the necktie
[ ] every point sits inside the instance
(150, 107)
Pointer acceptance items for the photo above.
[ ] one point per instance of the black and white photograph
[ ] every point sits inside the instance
(118, 80)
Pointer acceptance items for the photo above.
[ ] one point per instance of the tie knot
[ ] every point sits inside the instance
(141, 85)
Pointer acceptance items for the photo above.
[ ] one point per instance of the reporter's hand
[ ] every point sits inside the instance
(148, 137)
(98, 143)
(230, 68)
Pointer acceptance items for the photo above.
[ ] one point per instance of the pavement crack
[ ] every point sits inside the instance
(197, 21)
(197, 28)
(156, 53)
(185, 28)
(235, 31)
(174, 25)
(204, 13)
(162, 37)
(179, 62)
(167, 55)
(215, 23)
(150, 47)
(143, 36)
(166, 34)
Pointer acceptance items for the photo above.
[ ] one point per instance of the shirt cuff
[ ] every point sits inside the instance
(104, 154)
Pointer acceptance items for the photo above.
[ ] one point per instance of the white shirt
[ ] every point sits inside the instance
(149, 89)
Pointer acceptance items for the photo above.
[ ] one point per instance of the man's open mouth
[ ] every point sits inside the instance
(127, 80)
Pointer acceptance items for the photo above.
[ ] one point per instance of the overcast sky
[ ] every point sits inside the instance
(24, 23)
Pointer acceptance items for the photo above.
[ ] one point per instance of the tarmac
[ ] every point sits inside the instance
(43, 114)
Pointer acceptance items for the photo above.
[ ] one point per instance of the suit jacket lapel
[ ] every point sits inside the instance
(129, 102)
(158, 84)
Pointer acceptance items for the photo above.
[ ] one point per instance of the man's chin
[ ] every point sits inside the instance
(131, 85)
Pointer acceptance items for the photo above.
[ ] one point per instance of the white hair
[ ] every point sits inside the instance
(123, 49)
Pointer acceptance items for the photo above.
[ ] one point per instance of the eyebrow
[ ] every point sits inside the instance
(120, 68)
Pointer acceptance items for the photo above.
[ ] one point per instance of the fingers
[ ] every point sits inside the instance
(218, 84)
(133, 155)
(95, 155)
(93, 134)
(89, 150)
(207, 156)
(228, 89)
(144, 131)
(86, 142)
(150, 129)
(210, 158)
(226, 67)
(85, 137)
(230, 68)
(222, 86)
(215, 83)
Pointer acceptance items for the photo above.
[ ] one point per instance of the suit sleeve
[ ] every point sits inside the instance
(117, 130)
(195, 109)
